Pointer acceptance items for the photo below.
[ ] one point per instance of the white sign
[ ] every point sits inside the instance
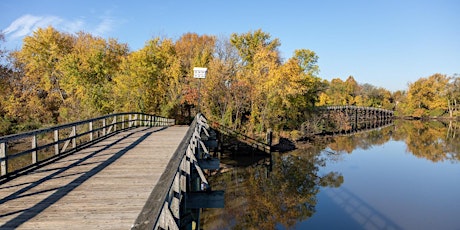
(199, 72)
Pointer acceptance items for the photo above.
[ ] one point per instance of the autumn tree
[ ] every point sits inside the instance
(149, 79)
(297, 89)
(6, 75)
(453, 96)
(428, 96)
(350, 92)
(400, 102)
(38, 94)
(335, 93)
(89, 70)
(260, 60)
(192, 50)
(248, 44)
(224, 96)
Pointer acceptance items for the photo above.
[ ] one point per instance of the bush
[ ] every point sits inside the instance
(5, 126)
(26, 126)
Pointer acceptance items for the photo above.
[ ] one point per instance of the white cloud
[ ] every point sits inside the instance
(27, 24)
(73, 26)
(104, 26)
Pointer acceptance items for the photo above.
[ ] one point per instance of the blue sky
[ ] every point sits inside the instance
(384, 43)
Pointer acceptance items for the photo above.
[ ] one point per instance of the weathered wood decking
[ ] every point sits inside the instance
(104, 186)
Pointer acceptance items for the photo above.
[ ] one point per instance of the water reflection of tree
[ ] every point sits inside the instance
(434, 140)
(257, 198)
(362, 140)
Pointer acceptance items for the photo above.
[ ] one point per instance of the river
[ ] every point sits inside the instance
(405, 176)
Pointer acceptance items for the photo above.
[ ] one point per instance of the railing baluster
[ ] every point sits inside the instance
(4, 160)
(74, 139)
(34, 146)
(56, 141)
(90, 124)
(103, 127)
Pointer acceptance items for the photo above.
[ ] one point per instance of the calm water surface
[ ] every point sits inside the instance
(405, 176)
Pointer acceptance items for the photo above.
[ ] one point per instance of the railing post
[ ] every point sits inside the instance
(34, 146)
(4, 161)
(103, 127)
(74, 139)
(129, 121)
(56, 141)
(90, 131)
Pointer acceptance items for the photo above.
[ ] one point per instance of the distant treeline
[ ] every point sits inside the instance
(57, 77)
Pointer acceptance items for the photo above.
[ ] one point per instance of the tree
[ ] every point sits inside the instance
(248, 44)
(453, 96)
(351, 90)
(88, 72)
(192, 50)
(223, 95)
(428, 96)
(38, 94)
(260, 65)
(5, 72)
(297, 89)
(6, 77)
(149, 79)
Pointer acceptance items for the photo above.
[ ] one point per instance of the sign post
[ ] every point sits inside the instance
(200, 73)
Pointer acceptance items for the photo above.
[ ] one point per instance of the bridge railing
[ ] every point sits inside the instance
(166, 202)
(20, 152)
(343, 107)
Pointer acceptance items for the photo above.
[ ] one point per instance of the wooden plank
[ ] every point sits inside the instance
(102, 187)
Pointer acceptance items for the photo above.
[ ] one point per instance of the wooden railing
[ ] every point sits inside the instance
(21, 152)
(352, 107)
(256, 144)
(167, 201)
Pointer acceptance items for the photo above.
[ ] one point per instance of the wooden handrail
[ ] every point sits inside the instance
(75, 140)
(162, 210)
(265, 147)
(338, 107)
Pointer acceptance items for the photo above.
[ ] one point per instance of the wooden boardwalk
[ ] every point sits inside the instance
(104, 186)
